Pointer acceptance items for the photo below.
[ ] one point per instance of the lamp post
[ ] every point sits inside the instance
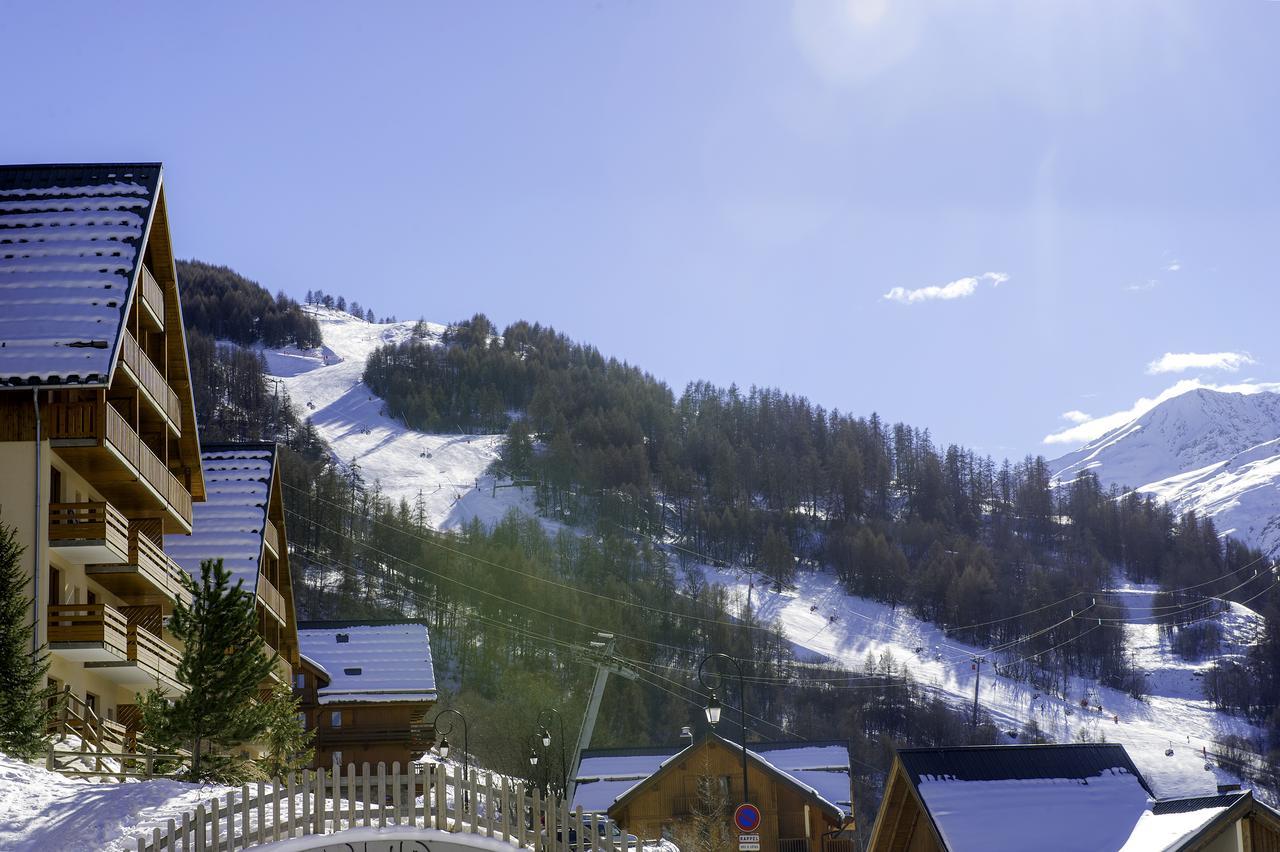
(443, 744)
(546, 743)
(713, 708)
(534, 742)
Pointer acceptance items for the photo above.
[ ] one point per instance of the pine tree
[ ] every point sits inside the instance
(288, 742)
(24, 713)
(223, 662)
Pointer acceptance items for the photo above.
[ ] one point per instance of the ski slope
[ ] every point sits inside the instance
(1173, 715)
(449, 470)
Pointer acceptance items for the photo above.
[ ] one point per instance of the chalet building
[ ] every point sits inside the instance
(97, 423)
(366, 689)
(241, 522)
(802, 789)
(1086, 797)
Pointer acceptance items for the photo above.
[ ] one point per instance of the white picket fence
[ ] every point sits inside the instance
(324, 802)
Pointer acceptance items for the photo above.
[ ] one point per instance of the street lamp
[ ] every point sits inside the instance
(546, 743)
(713, 708)
(534, 742)
(443, 745)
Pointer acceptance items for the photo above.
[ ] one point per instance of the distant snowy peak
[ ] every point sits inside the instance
(1213, 452)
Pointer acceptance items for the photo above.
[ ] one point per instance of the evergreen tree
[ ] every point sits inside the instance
(223, 662)
(24, 713)
(288, 742)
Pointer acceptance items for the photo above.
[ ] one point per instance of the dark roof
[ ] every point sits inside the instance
(995, 763)
(210, 447)
(759, 747)
(70, 249)
(358, 622)
(1196, 803)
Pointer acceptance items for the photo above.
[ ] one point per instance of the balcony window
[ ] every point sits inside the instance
(335, 719)
(300, 681)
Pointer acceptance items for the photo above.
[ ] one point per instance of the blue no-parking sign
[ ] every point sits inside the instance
(746, 818)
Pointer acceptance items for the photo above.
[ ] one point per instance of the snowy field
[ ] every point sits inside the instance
(326, 385)
(43, 811)
(1173, 716)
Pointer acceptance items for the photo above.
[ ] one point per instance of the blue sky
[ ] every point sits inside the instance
(738, 191)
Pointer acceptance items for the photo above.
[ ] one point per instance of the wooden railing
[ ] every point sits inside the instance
(152, 561)
(272, 537)
(325, 802)
(149, 377)
(93, 521)
(88, 623)
(271, 596)
(793, 844)
(152, 295)
(120, 435)
(152, 653)
(73, 420)
(74, 717)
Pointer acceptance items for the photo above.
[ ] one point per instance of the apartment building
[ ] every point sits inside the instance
(97, 422)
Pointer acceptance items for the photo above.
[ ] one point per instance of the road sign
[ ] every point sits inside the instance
(748, 838)
(747, 819)
(748, 847)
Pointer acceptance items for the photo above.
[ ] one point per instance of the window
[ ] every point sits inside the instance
(300, 680)
(91, 701)
(343, 638)
(337, 758)
(302, 719)
(90, 597)
(55, 485)
(335, 719)
(355, 670)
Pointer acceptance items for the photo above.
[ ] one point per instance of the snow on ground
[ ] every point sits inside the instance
(326, 384)
(42, 810)
(1173, 716)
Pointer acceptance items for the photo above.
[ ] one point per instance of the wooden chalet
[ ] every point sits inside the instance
(241, 522)
(1087, 797)
(366, 689)
(97, 423)
(802, 789)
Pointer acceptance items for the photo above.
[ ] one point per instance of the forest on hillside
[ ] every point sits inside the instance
(757, 478)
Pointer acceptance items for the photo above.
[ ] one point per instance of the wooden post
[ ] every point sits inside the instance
(368, 796)
(186, 832)
(442, 822)
(276, 789)
(503, 809)
(306, 801)
(382, 794)
(200, 826)
(521, 827)
(49, 762)
(395, 791)
(213, 820)
(319, 809)
(260, 833)
(471, 796)
(351, 795)
(244, 815)
(172, 839)
(290, 807)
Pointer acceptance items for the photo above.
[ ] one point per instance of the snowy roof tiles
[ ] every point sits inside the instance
(606, 775)
(70, 243)
(229, 524)
(372, 662)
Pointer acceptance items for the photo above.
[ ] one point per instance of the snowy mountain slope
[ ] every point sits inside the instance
(326, 384)
(1174, 715)
(1213, 452)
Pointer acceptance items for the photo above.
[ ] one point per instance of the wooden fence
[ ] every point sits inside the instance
(324, 802)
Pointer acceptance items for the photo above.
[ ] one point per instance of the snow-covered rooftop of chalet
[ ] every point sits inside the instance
(1156, 832)
(229, 524)
(376, 662)
(70, 238)
(822, 769)
(1015, 814)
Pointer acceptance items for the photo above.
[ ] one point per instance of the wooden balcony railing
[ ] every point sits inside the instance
(82, 623)
(150, 379)
(152, 295)
(272, 537)
(155, 564)
(91, 521)
(157, 657)
(120, 435)
(271, 596)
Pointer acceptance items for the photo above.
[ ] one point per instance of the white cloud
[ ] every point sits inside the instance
(1173, 266)
(1076, 416)
(1142, 286)
(1087, 430)
(1180, 362)
(958, 289)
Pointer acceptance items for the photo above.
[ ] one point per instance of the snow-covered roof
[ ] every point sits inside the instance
(371, 662)
(606, 775)
(229, 524)
(70, 243)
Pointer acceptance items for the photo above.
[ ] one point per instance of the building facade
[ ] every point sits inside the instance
(366, 689)
(802, 789)
(97, 423)
(242, 523)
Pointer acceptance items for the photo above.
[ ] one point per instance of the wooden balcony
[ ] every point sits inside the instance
(88, 632)
(150, 661)
(152, 300)
(146, 576)
(272, 538)
(88, 532)
(95, 438)
(147, 376)
(272, 599)
(281, 672)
